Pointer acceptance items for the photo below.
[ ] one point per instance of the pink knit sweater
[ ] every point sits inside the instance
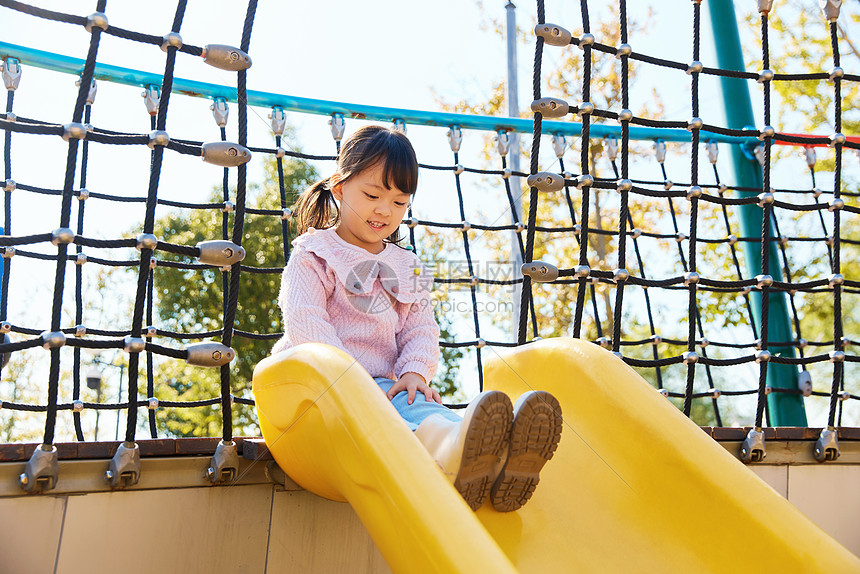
(377, 308)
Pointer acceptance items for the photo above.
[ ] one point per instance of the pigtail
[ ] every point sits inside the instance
(316, 207)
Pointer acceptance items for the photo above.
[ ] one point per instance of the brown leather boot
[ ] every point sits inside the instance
(467, 452)
(535, 434)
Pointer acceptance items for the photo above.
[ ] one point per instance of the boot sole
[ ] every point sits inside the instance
(485, 442)
(535, 434)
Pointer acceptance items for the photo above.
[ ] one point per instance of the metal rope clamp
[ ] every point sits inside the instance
(503, 142)
(220, 111)
(455, 138)
(827, 445)
(540, 271)
(279, 120)
(91, 94)
(12, 73)
(550, 107)
(151, 98)
(752, 449)
(226, 57)
(220, 252)
(124, 468)
(224, 464)
(546, 181)
(42, 470)
(553, 34)
(210, 354)
(225, 154)
(338, 126)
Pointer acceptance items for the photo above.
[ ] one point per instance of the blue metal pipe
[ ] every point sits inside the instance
(128, 76)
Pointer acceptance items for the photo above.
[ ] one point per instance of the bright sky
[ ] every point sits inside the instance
(396, 54)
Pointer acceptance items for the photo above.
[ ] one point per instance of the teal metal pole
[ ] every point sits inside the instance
(785, 409)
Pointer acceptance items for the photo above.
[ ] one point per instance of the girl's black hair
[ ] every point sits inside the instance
(366, 147)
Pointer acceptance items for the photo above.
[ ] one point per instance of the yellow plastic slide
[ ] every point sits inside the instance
(634, 486)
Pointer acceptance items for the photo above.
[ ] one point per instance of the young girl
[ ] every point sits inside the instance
(349, 284)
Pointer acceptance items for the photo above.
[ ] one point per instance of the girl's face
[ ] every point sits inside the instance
(369, 211)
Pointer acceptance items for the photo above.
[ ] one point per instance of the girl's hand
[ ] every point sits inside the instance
(413, 383)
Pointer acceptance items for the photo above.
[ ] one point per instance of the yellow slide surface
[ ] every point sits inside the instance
(634, 486)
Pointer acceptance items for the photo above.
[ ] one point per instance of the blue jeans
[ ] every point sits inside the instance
(420, 408)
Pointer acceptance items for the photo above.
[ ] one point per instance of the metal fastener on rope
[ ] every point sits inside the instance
(577, 229)
(765, 76)
(220, 252)
(550, 107)
(752, 449)
(77, 406)
(694, 191)
(624, 185)
(715, 393)
(585, 109)
(171, 39)
(158, 138)
(713, 151)
(758, 152)
(96, 20)
(830, 9)
(458, 169)
(10, 185)
(209, 354)
(474, 281)
(665, 392)
(767, 132)
(765, 6)
(689, 357)
(703, 342)
(722, 188)
(837, 356)
(228, 207)
(399, 126)
(804, 383)
(695, 124)
(280, 152)
(412, 223)
(503, 142)
(151, 98)
(829, 240)
(80, 259)
(668, 184)
(455, 138)
(584, 180)
(844, 395)
(636, 233)
(553, 34)
(540, 271)
(124, 467)
(11, 73)
(783, 240)
(80, 331)
(680, 237)
(465, 226)
(827, 445)
(507, 173)
(765, 198)
(625, 115)
(837, 139)
(546, 181)
(62, 236)
(836, 72)
(5, 327)
(225, 154)
(835, 204)
(586, 39)
(611, 143)
(286, 214)
(133, 344)
(220, 111)
(519, 227)
(10, 117)
(763, 281)
(224, 464)
(146, 241)
(481, 343)
(623, 50)
(656, 339)
(338, 126)
(74, 130)
(42, 470)
(695, 67)
(153, 263)
(150, 331)
(91, 94)
(620, 275)
(691, 278)
(559, 144)
(53, 339)
(762, 356)
(278, 119)
(581, 271)
(809, 153)
(83, 194)
(152, 403)
(225, 57)
(604, 342)
(659, 150)
(836, 279)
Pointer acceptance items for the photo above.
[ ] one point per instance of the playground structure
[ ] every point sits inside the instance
(520, 543)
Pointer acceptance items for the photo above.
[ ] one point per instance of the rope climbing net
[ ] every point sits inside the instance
(225, 254)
